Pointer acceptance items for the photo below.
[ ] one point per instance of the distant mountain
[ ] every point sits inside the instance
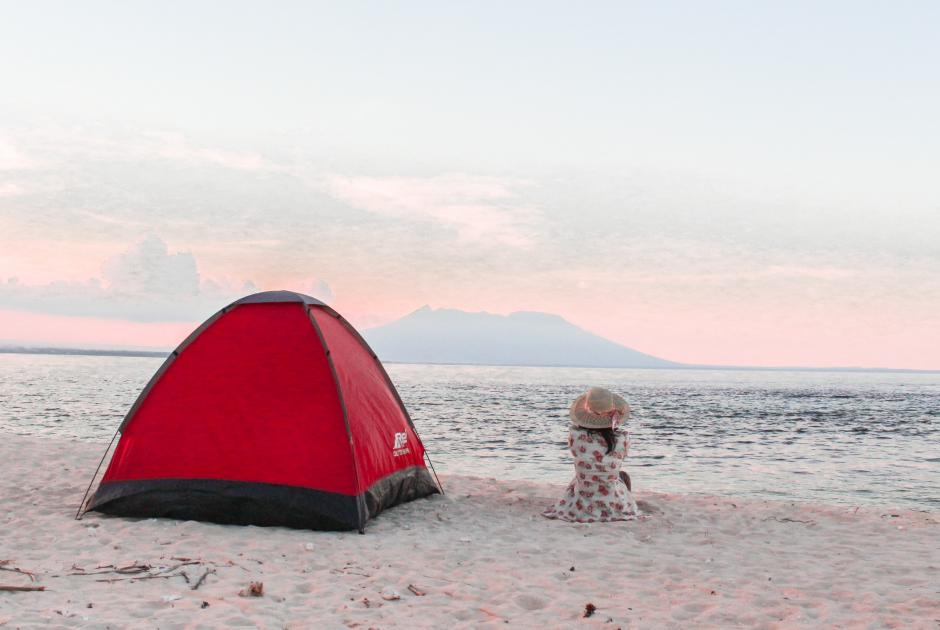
(524, 338)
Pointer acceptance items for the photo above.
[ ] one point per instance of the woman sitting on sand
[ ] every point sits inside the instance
(599, 491)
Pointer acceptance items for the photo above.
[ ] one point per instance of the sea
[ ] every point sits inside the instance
(854, 438)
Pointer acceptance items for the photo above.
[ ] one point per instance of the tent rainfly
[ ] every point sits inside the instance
(274, 412)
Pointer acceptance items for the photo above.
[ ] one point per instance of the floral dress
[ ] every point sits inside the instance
(596, 494)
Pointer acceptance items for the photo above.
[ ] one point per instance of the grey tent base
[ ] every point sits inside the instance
(264, 504)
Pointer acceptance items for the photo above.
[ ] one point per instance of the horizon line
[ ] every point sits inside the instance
(156, 354)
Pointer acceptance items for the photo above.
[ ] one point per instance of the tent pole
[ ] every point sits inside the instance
(78, 515)
(428, 457)
(388, 381)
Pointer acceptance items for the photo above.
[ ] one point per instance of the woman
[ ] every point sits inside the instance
(599, 492)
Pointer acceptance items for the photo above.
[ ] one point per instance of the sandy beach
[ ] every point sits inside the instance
(479, 557)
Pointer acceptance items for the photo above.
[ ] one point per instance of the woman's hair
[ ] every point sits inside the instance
(608, 435)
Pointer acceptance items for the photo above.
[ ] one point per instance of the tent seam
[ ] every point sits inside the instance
(360, 497)
(391, 386)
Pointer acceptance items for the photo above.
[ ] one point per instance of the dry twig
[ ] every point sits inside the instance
(128, 570)
(4, 567)
(139, 577)
(442, 579)
(202, 579)
(349, 572)
(162, 574)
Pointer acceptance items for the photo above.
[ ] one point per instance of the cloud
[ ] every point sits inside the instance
(314, 287)
(146, 283)
(483, 210)
(811, 273)
(175, 146)
(66, 145)
(148, 269)
(9, 189)
(11, 159)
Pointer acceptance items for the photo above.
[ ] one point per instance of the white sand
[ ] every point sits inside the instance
(482, 556)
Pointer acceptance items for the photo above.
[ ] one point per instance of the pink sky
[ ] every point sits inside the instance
(89, 332)
(763, 326)
(728, 339)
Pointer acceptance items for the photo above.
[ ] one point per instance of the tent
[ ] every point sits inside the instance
(273, 412)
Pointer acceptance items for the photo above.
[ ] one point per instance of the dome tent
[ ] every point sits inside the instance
(274, 411)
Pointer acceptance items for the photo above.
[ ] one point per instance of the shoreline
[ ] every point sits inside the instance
(481, 556)
(631, 465)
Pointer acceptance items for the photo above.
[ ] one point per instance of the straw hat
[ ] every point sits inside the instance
(599, 409)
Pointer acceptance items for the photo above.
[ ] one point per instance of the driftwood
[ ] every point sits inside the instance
(4, 567)
(21, 588)
(143, 571)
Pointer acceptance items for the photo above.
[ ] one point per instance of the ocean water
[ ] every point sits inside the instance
(825, 437)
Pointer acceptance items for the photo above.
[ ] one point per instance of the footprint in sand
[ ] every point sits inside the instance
(238, 622)
(530, 602)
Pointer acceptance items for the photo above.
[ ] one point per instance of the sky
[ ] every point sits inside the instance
(725, 183)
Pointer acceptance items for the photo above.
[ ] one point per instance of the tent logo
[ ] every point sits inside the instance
(401, 445)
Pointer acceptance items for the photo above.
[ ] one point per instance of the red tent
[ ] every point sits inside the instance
(273, 412)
